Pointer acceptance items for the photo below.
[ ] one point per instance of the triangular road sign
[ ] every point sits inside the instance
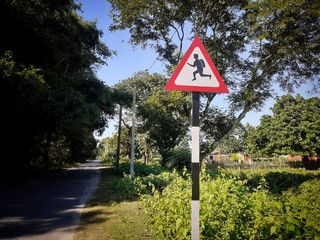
(196, 72)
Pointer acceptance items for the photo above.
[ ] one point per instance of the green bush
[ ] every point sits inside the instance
(169, 211)
(235, 157)
(140, 169)
(229, 209)
(128, 186)
(179, 158)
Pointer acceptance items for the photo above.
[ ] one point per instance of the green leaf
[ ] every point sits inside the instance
(273, 230)
(290, 227)
(178, 223)
(297, 233)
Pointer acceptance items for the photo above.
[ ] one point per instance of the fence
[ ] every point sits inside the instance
(265, 163)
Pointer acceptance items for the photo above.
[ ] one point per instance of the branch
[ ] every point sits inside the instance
(210, 97)
(126, 125)
(234, 125)
(231, 130)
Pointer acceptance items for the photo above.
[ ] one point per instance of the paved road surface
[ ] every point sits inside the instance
(48, 209)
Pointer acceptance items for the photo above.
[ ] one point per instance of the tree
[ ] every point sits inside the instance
(294, 128)
(227, 29)
(107, 148)
(236, 142)
(123, 98)
(166, 129)
(51, 99)
(157, 112)
(289, 33)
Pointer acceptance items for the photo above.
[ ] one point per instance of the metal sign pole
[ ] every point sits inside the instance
(195, 168)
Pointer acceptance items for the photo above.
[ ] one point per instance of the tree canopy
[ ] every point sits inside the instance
(251, 63)
(294, 128)
(162, 116)
(51, 99)
(289, 31)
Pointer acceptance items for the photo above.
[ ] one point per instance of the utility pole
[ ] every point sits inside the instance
(133, 134)
(119, 138)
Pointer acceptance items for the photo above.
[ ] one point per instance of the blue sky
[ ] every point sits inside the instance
(130, 60)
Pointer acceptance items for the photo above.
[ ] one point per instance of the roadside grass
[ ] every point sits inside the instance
(109, 215)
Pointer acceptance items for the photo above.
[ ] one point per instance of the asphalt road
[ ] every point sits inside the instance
(50, 208)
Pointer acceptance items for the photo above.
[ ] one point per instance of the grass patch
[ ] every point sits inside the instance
(110, 215)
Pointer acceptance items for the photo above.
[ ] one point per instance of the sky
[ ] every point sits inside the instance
(129, 60)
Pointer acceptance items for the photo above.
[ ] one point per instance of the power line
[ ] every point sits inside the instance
(158, 56)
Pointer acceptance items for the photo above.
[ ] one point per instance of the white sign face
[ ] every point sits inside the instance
(197, 72)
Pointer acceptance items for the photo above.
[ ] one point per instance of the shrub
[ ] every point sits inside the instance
(179, 158)
(236, 157)
(141, 169)
(229, 209)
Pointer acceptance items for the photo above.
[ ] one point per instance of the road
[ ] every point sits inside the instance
(48, 209)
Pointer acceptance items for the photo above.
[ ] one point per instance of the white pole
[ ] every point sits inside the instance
(133, 134)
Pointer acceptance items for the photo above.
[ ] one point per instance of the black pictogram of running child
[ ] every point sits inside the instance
(199, 63)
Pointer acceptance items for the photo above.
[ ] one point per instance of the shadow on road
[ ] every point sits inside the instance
(49, 205)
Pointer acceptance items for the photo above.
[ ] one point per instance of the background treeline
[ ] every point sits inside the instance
(259, 47)
(52, 102)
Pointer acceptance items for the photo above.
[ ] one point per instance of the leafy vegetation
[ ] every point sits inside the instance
(54, 102)
(290, 35)
(259, 204)
(280, 203)
(180, 158)
(294, 128)
(51, 99)
(254, 44)
(162, 115)
(111, 215)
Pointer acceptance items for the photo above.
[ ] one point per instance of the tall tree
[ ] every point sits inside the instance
(226, 30)
(51, 98)
(294, 128)
(162, 115)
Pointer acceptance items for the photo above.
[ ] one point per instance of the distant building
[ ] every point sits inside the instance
(292, 157)
(218, 156)
(246, 158)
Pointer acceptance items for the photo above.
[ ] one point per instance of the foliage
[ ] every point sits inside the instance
(277, 180)
(52, 100)
(158, 111)
(301, 211)
(180, 158)
(55, 35)
(147, 179)
(236, 142)
(22, 88)
(293, 128)
(289, 31)
(107, 149)
(231, 210)
(142, 169)
(168, 221)
(254, 44)
(235, 157)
